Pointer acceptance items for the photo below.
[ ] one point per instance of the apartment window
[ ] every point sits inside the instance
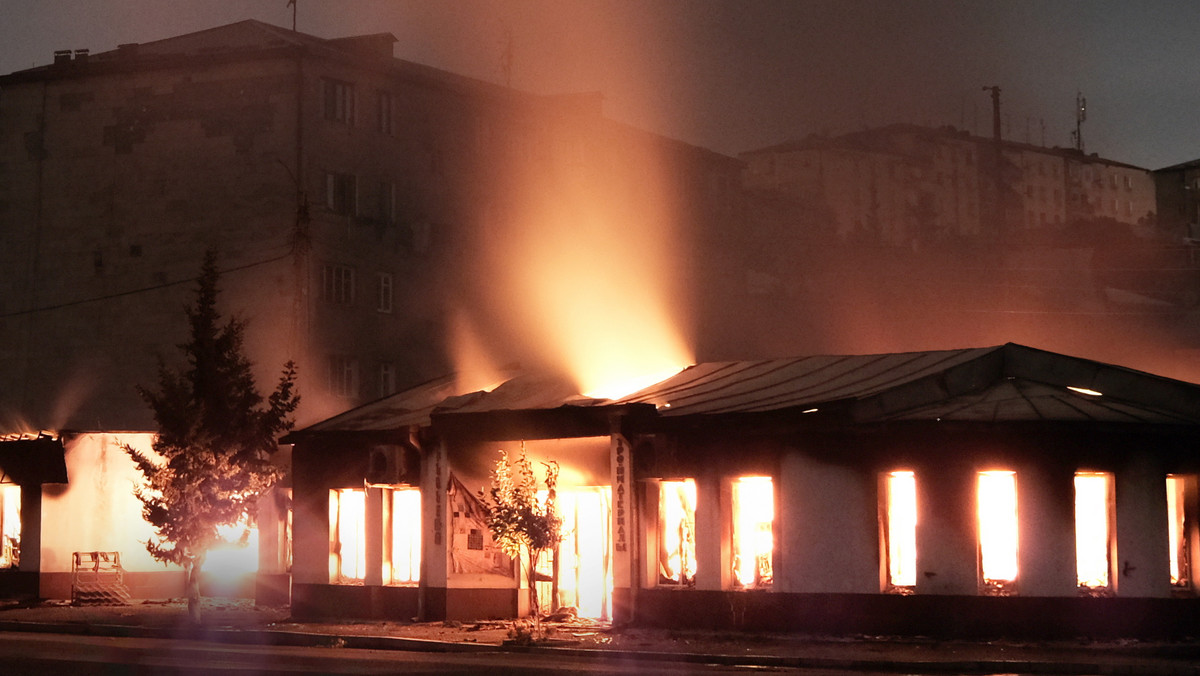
(402, 536)
(383, 113)
(383, 292)
(677, 532)
(1093, 530)
(386, 377)
(1129, 207)
(753, 506)
(339, 101)
(900, 530)
(342, 376)
(341, 193)
(1128, 183)
(996, 495)
(386, 209)
(337, 284)
(347, 535)
(10, 525)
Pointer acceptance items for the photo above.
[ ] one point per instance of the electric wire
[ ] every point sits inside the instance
(147, 289)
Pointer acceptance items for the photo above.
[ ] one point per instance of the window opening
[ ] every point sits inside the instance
(337, 284)
(341, 193)
(342, 378)
(383, 293)
(677, 532)
(1177, 530)
(900, 531)
(997, 507)
(753, 503)
(584, 567)
(347, 535)
(10, 525)
(402, 562)
(1093, 531)
(339, 101)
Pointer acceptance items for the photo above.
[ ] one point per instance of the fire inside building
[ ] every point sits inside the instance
(1002, 490)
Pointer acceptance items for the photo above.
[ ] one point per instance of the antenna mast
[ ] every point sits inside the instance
(292, 4)
(1080, 116)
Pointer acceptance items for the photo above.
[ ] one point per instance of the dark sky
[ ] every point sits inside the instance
(737, 75)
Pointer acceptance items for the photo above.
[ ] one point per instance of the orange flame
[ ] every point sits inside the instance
(997, 495)
(1092, 490)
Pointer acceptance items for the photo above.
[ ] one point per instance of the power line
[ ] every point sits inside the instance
(132, 292)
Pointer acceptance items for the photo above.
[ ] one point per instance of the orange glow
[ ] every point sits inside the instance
(405, 560)
(585, 578)
(677, 531)
(1092, 529)
(997, 496)
(1175, 530)
(753, 530)
(347, 534)
(10, 525)
(902, 529)
(230, 558)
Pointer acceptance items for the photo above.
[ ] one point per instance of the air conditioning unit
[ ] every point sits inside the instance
(390, 464)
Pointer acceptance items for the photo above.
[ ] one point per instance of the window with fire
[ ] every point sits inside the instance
(10, 525)
(677, 532)
(753, 538)
(400, 536)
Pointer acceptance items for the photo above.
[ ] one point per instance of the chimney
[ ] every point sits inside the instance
(81, 56)
(62, 56)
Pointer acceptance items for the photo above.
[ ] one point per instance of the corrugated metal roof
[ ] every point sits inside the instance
(758, 386)
(992, 384)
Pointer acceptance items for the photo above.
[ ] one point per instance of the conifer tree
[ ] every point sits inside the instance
(216, 435)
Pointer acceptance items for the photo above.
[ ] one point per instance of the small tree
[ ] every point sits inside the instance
(214, 443)
(518, 521)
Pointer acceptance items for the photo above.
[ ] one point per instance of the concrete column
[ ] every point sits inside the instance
(947, 531)
(1046, 522)
(31, 528)
(435, 537)
(826, 523)
(712, 541)
(624, 528)
(374, 537)
(310, 520)
(1143, 567)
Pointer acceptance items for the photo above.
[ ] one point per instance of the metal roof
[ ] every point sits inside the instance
(1005, 383)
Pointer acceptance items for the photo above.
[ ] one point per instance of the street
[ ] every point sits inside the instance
(41, 654)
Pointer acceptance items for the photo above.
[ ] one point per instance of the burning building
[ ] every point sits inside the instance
(356, 201)
(1002, 490)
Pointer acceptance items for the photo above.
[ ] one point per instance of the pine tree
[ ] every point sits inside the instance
(214, 443)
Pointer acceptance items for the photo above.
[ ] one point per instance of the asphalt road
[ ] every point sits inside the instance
(51, 654)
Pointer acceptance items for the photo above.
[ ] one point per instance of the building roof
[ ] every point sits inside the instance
(30, 461)
(1006, 383)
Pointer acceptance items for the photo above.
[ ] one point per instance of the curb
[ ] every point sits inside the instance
(309, 639)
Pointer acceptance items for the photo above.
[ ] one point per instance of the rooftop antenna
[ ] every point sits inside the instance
(292, 4)
(1080, 116)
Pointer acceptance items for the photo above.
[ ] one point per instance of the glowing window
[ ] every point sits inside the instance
(753, 503)
(997, 502)
(900, 529)
(10, 525)
(1093, 529)
(1176, 530)
(677, 532)
(402, 549)
(347, 534)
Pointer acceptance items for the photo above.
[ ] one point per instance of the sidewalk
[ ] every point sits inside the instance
(238, 621)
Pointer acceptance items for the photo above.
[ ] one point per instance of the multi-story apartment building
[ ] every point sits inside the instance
(358, 204)
(901, 184)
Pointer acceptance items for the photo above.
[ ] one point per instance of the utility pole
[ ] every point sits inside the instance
(1080, 116)
(998, 210)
